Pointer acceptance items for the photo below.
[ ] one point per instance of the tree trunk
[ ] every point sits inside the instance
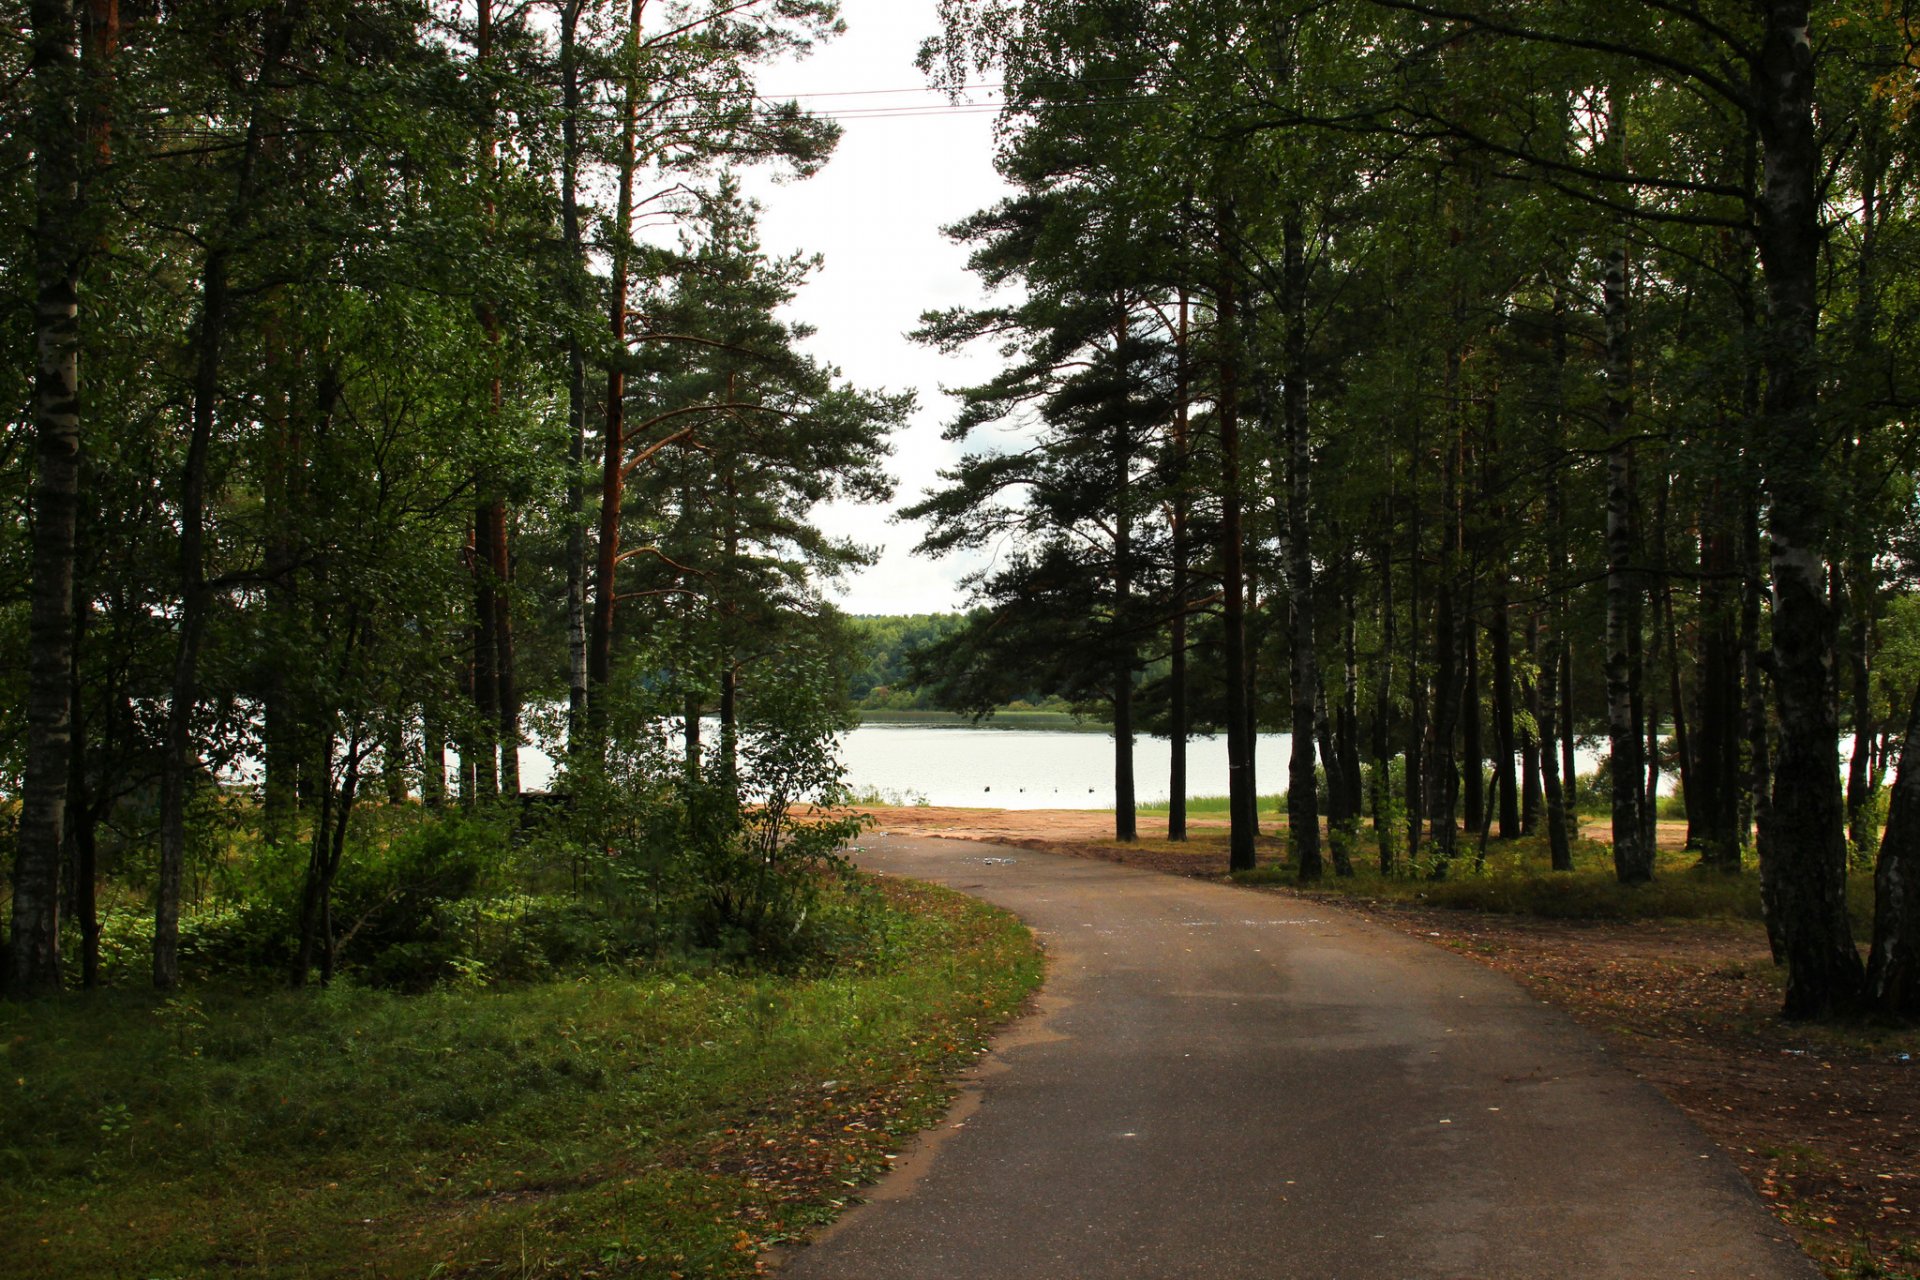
(34, 956)
(1893, 973)
(1443, 811)
(1558, 844)
(1415, 775)
(1860, 779)
(1757, 795)
(433, 768)
(1824, 974)
(195, 593)
(690, 739)
(1532, 798)
(1505, 744)
(393, 755)
(1346, 725)
(499, 697)
(1472, 745)
(576, 375)
(1242, 819)
(1303, 817)
(729, 720)
(506, 686)
(1713, 790)
(1125, 809)
(1384, 837)
(1177, 714)
(1632, 852)
(81, 824)
(613, 437)
(325, 852)
(1339, 824)
(486, 653)
(1125, 817)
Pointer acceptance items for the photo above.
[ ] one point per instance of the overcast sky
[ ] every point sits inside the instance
(875, 214)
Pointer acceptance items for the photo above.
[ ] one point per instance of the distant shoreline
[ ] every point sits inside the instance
(1057, 721)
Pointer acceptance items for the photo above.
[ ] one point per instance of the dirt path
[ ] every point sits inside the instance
(1231, 1085)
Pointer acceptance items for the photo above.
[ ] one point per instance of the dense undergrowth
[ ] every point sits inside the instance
(671, 1117)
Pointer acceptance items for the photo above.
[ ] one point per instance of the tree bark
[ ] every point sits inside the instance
(1632, 852)
(1532, 797)
(613, 436)
(195, 592)
(34, 942)
(1824, 973)
(1860, 779)
(1559, 847)
(1303, 816)
(1444, 808)
(1504, 741)
(576, 375)
(1714, 789)
(1242, 819)
(1346, 723)
(1893, 973)
(486, 653)
(506, 685)
(1177, 714)
(498, 695)
(1384, 836)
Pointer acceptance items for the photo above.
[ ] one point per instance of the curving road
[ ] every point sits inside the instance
(1228, 1084)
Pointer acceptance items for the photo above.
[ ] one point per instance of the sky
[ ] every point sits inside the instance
(874, 213)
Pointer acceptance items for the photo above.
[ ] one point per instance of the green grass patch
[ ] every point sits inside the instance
(1517, 879)
(1217, 806)
(637, 1124)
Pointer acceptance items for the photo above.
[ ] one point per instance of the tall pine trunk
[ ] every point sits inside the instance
(1632, 850)
(1303, 816)
(576, 375)
(1177, 714)
(1384, 837)
(613, 436)
(1242, 819)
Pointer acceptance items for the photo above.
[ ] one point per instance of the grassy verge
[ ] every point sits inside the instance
(1516, 878)
(1216, 806)
(657, 1124)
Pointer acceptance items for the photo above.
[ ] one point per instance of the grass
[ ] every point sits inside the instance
(1518, 879)
(659, 1124)
(1217, 806)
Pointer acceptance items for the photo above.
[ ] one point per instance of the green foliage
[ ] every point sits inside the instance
(575, 1120)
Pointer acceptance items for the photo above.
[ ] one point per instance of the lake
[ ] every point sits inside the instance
(988, 767)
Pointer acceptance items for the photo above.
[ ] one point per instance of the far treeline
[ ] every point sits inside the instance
(1436, 377)
(395, 384)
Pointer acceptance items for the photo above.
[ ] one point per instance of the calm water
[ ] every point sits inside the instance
(1036, 768)
(986, 767)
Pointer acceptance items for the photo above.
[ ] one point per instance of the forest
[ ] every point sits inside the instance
(1442, 381)
(1437, 381)
(401, 389)
(401, 385)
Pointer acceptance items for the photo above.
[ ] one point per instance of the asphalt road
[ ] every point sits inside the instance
(1229, 1084)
